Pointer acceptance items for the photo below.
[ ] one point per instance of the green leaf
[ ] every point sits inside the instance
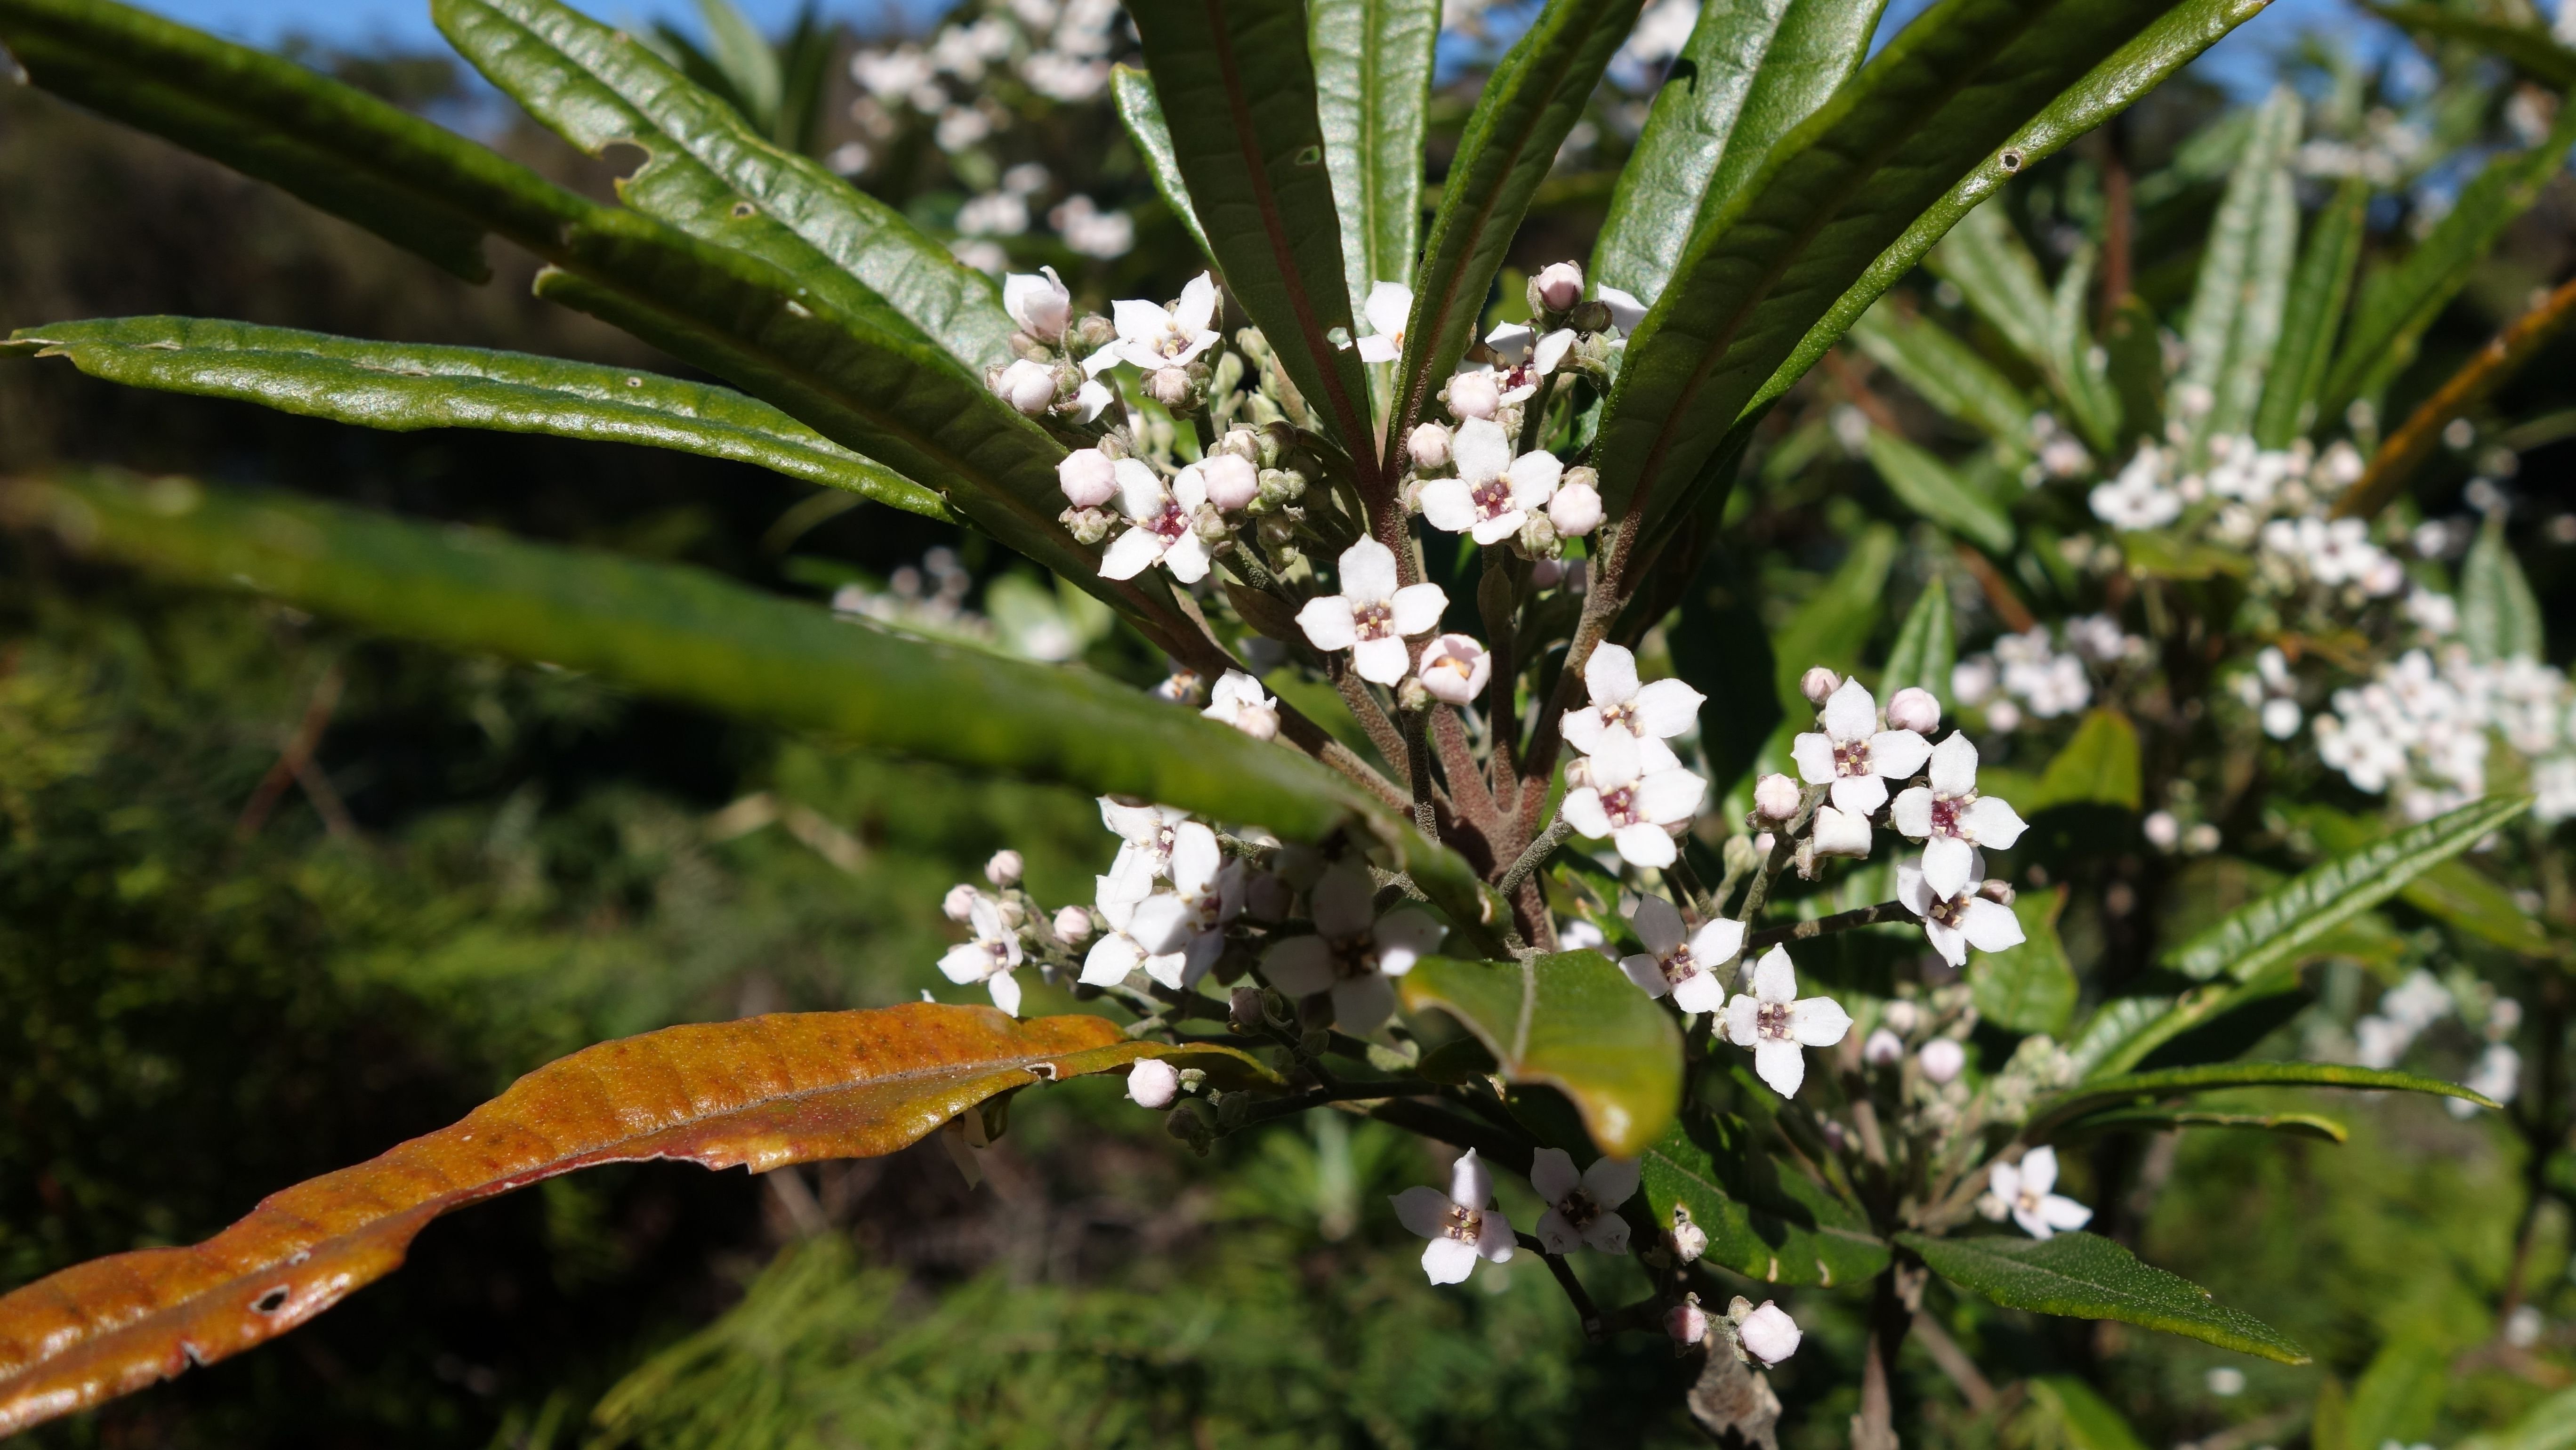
(1720, 642)
(2098, 766)
(1947, 373)
(1985, 259)
(2318, 292)
(1778, 1227)
(2086, 1419)
(2549, 1425)
(404, 386)
(715, 175)
(745, 58)
(1833, 626)
(2171, 41)
(1927, 645)
(2158, 1120)
(2030, 987)
(2499, 618)
(2235, 318)
(1751, 70)
(1574, 1022)
(337, 147)
(2080, 370)
(2085, 1276)
(2174, 556)
(2135, 343)
(1253, 156)
(2275, 928)
(2400, 1393)
(2211, 1077)
(2454, 891)
(1926, 485)
(1372, 98)
(2397, 305)
(1141, 111)
(2531, 48)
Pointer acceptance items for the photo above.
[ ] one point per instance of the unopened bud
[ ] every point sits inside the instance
(1942, 1059)
(1689, 1239)
(1169, 386)
(1915, 709)
(1281, 485)
(959, 903)
(1278, 531)
(1901, 1017)
(1764, 843)
(1209, 525)
(1819, 683)
(1997, 890)
(1231, 479)
(1088, 526)
(1686, 1322)
(1089, 477)
(1412, 695)
(1474, 395)
(1073, 926)
(1189, 1123)
(1005, 868)
(1153, 1083)
(1243, 1010)
(1590, 317)
(1578, 773)
(1767, 1334)
(1094, 332)
(1538, 538)
(1242, 443)
(1776, 797)
(1575, 510)
(1883, 1049)
(1027, 386)
(1557, 287)
(1429, 445)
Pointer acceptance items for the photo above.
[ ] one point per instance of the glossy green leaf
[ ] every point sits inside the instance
(2097, 766)
(2277, 927)
(714, 175)
(2110, 1027)
(1373, 98)
(744, 56)
(2159, 1120)
(1574, 1022)
(2086, 1276)
(413, 183)
(1927, 645)
(405, 386)
(1253, 156)
(2081, 371)
(2168, 43)
(1141, 111)
(2030, 987)
(1833, 626)
(1751, 70)
(2319, 291)
(2499, 617)
(1947, 373)
(1777, 1226)
(2454, 891)
(2234, 323)
(2398, 304)
(2172, 1082)
(1534, 97)
(1986, 260)
(689, 635)
(1926, 485)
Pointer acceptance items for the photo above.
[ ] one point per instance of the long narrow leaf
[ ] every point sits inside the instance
(2235, 318)
(1141, 111)
(1926, 485)
(1373, 100)
(1762, 1222)
(1947, 373)
(405, 386)
(1985, 259)
(2182, 1081)
(2318, 293)
(2086, 1276)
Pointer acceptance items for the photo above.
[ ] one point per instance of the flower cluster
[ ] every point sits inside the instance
(2030, 671)
(2419, 731)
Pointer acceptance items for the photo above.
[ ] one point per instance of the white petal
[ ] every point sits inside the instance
(1911, 889)
(1139, 321)
(1615, 760)
(1424, 1211)
(1342, 904)
(1818, 1021)
(1189, 488)
(1646, 973)
(1381, 661)
(1947, 941)
(1859, 795)
(1136, 825)
(1665, 708)
(1815, 757)
(1510, 340)
(2004, 1180)
(1198, 305)
(1006, 992)
(2032, 1223)
(965, 962)
(1327, 622)
(1625, 310)
(1851, 713)
(1092, 399)
(1501, 526)
(1611, 676)
(1534, 479)
(1418, 608)
(1607, 1233)
(1990, 927)
(1912, 814)
(1611, 1181)
(1839, 834)
(1133, 554)
(1775, 981)
(1170, 969)
(1447, 1261)
(1897, 754)
(1110, 960)
(1449, 503)
(1362, 1004)
(1300, 966)
(1700, 992)
(1945, 866)
(1954, 765)
(2064, 1213)
(1405, 936)
(2038, 1171)
(1161, 923)
(1670, 795)
(1582, 810)
(1553, 1174)
(1742, 1027)
(1379, 349)
(1196, 858)
(1556, 1233)
(1187, 558)
(1367, 572)
(1992, 822)
(1581, 727)
(1389, 307)
(1494, 1236)
(1658, 925)
(1480, 450)
(1781, 1064)
(1717, 939)
(1644, 845)
(1552, 349)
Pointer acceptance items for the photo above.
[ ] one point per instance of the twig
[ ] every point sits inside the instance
(2412, 443)
(1999, 594)
(1447, 1125)
(1822, 925)
(1372, 716)
(1974, 1387)
(1536, 856)
(1584, 1309)
(1417, 756)
(1457, 761)
(292, 759)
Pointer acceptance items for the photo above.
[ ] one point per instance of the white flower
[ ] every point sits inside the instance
(1149, 933)
(1853, 755)
(1632, 804)
(1778, 1026)
(1455, 669)
(1658, 711)
(989, 957)
(1153, 1083)
(1962, 919)
(1164, 532)
(1678, 960)
(1951, 819)
(1150, 834)
(2138, 499)
(1461, 1224)
(1769, 1334)
(1155, 337)
(2023, 1191)
(1388, 309)
(1494, 493)
(1238, 701)
(1582, 1208)
(1520, 364)
(1625, 310)
(1350, 956)
(1039, 305)
(1029, 387)
(1371, 617)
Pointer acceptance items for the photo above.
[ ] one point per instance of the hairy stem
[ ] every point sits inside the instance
(1417, 756)
(1839, 921)
(1893, 1299)
(1536, 856)
(1584, 1309)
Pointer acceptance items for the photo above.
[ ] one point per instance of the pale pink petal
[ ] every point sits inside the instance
(1911, 890)
(1815, 757)
(1615, 760)
(1418, 608)
(1644, 845)
(2032, 1223)
(1954, 765)
(1006, 992)
(1110, 960)
(1471, 1182)
(2064, 1213)
(1198, 306)
(1501, 526)
(1161, 923)
(1670, 795)
(1301, 966)
(1992, 822)
(1582, 810)
(1494, 1236)
(1611, 1181)
(1912, 814)
(1658, 924)
(1139, 321)
(1666, 707)
(1447, 1261)
(1553, 1174)
(1381, 661)
(1424, 1211)
(1379, 349)
(1717, 939)
(1196, 858)
(1946, 860)
(1187, 558)
(1818, 1021)
(1851, 713)
(1481, 450)
(1449, 504)
(1510, 340)
(1389, 307)
(2005, 1179)
(1700, 992)
(1897, 754)
(1133, 554)
(1990, 927)
(1611, 676)
(1607, 1233)
(1859, 795)
(1343, 902)
(1775, 981)
(1406, 936)
(1534, 479)
(1783, 1065)
(1581, 727)
(2039, 1171)
(965, 962)
(1552, 350)
(1742, 1020)
(1556, 1233)
(1643, 970)
(1947, 941)
(1327, 622)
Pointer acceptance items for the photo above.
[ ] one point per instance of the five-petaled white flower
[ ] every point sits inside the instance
(1388, 309)
(1146, 932)
(1963, 919)
(1657, 711)
(1774, 1022)
(1951, 819)
(1853, 755)
(1211, 892)
(1631, 799)
(1461, 1224)
(1681, 961)
(1371, 617)
(1582, 1208)
(1494, 493)
(1351, 955)
(1039, 304)
(1165, 530)
(989, 957)
(1150, 834)
(2022, 1191)
(1154, 337)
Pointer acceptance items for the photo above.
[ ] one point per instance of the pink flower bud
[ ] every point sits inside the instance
(1575, 510)
(1455, 669)
(1883, 1049)
(1088, 478)
(1559, 285)
(1231, 481)
(1474, 395)
(1901, 1017)
(1004, 869)
(1769, 1334)
(959, 903)
(1776, 797)
(1026, 386)
(1073, 926)
(1818, 683)
(1429, 446)
(1038, 303)
(1942, 1059)
(1153, 1083)
(1686, 1322)
(1914, 709)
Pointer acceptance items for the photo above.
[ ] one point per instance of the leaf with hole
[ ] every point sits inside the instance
(1574, 1022)
(2086, 1276)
